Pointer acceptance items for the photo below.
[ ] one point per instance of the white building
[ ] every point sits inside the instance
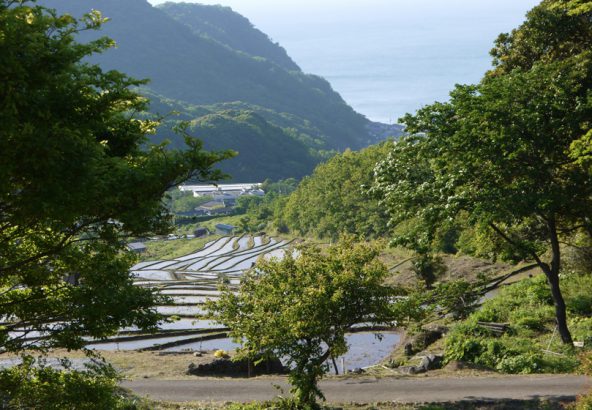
(224, 190)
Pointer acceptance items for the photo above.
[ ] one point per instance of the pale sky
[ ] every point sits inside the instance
(386, 57)
(258, 11)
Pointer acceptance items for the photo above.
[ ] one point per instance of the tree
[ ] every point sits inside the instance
(300, 308)
(499, 154)
(510, 154)
(77, 178)
(428, 268)
(332, 201)
(555, 30)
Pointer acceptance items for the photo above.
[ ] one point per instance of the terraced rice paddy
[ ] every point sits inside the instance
(189, 281)
(192, 279)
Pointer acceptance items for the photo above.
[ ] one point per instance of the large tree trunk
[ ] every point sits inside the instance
(560, 314)
(552, 273)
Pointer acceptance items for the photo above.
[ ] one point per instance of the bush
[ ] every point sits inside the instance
(521, 363)
(581, 329)
(506, 354)
(584, 402)
(458, 297)
(280, 404)
(577, 292)
(33, 385)
(578, 258)
(528, 309)
(428, 268)
(525, 302)
(464, 343)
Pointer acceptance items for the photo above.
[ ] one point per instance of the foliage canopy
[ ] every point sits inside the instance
(333, 200)
(75, 179)
(300, 308)
(500, 153)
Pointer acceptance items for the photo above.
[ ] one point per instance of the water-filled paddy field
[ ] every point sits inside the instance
(190, 280)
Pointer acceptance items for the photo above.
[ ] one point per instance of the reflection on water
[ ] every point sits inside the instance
(214, 344)
(364, 348)
(136, 344)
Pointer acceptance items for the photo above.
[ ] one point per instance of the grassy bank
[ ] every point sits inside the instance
(530, 343)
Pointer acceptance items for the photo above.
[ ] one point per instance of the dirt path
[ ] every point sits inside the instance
(370, 390)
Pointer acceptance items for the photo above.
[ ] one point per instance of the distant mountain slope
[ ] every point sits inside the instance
(261, 146)
(206, 60)
(188, 67)
(229, 28)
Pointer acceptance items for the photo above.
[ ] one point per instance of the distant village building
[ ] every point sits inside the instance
(219, 211)
(195, 212)
(224, 229)
(137, 247)
(201, 232)
(211, 205)
(224, 191)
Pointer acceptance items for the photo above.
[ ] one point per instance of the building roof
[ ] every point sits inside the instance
(225, 227)
(220, 187)
(211, 205)
(136, 246)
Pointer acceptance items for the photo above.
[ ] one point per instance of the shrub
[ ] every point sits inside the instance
(506, 354)
(428, 268)
(579, 258)
(581, 329)
(577, 292)
(583, 403)
(33, 385)
(458, 297)
(521, 363)
(528, 308)
(463, 344)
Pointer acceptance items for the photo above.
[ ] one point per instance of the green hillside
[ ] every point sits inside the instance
(260, 145)
(203, 60)
(223, 25)
(333, 199)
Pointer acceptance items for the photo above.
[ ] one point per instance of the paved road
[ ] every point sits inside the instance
(371, 390)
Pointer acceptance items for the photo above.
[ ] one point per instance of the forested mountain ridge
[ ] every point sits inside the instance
(223, 25)
(269, 145)
(193, 57)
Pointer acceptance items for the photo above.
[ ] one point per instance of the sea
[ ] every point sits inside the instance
(387, 57)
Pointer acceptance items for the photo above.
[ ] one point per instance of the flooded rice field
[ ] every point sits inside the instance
(365, 349)
(191, 280)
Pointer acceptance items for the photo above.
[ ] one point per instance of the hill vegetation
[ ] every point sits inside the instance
(204, 60)
(262, 146)
(228, 28)
(501, 169)
(333, 199)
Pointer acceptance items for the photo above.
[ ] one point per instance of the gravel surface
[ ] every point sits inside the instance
(371, 390)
